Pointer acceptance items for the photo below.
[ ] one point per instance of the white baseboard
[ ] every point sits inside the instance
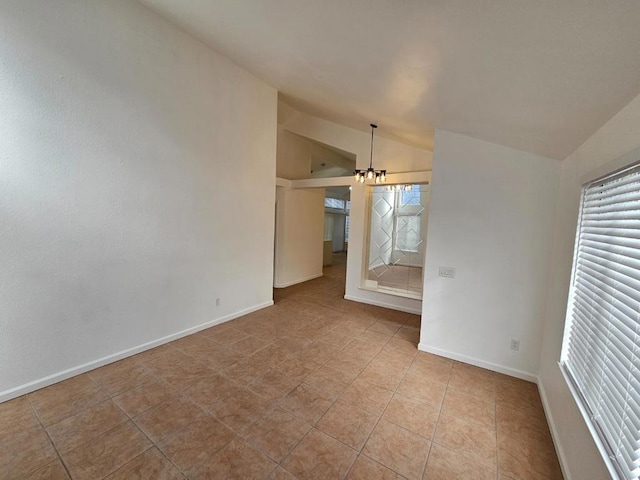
(71, 372)
(378, 303)
(554, 431)
(512, 372)
(300, 280)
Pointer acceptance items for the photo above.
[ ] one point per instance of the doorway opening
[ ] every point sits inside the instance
(337, 209)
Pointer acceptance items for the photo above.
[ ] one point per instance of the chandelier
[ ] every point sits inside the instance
(380, 176)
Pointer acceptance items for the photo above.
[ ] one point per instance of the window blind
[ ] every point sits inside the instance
(346, 228)
(602, 349)
(334, 203)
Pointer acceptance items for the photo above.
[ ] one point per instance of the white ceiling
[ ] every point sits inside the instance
(537, 75)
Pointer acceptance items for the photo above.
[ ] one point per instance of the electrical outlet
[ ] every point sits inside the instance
(515, 344)
(218, 302)
(447, 272)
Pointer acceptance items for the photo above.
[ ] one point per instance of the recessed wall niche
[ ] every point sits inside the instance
(396, 239)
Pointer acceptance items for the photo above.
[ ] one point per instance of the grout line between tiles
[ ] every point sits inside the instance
(313, 425)
(495, 423)
(435, 427)
(153, 444)
(64, 465)
(385, 408)
(333, 329)
(454, 389)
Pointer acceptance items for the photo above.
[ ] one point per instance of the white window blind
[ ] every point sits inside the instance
(334, 203)
(602, 348)
(329, 226)
(346, 228)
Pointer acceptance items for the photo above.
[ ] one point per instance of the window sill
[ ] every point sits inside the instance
(393, 292)
(602, 449)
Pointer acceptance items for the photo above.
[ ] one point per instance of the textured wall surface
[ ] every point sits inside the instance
(137, 184)
(605, 151)
(299, 242)
(491, 218)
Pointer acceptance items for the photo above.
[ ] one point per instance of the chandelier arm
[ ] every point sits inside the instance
(379, 176)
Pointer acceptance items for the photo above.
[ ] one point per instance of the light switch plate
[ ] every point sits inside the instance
(447, 272)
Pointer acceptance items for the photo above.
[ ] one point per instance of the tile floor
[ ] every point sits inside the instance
(401, 278)
(314, 387)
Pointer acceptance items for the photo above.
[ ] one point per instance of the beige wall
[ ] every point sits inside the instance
(137, 170)
(295, 154)
(299, 235)
(395, 157)
(491, 218)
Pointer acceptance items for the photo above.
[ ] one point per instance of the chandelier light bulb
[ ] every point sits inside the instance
(379, 176)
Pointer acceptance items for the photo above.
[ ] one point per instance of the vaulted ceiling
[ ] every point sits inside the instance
(536, 75)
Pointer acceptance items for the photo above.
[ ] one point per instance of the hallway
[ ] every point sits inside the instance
(313, 387)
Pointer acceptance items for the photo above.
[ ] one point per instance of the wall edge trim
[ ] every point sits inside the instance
(85, 367)
(378, 303)
(554, 431)
(512, 372)
(300, 280)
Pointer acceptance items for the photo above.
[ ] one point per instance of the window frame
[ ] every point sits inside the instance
(410, 210)
(396, 231)
(608, 171)
(415, 188)
(370, 284)
(332, 199)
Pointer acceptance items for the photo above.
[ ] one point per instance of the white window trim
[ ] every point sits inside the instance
(586, 415)
(618, 165)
